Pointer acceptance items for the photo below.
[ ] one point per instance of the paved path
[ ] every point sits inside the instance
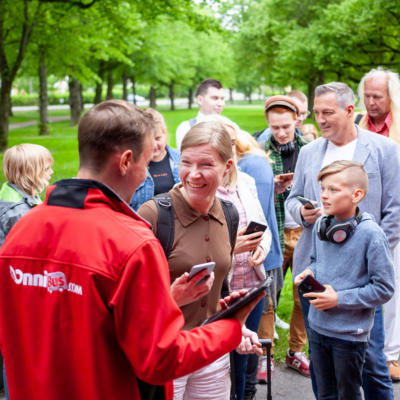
(288, 384)
(19, 125)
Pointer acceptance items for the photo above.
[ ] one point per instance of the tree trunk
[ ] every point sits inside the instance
(43, 100)
(190, 98)
(231, 95)
(152, 96)
(99, 86)
(75, 100)
(124, 86)
(311, 94)
(133, 89)
(321, 78)
(11, 113)
(5, 101)
(172, 95)
(250, 89)
(109, 85)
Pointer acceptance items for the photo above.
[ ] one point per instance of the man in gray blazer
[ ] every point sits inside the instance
(342, 140)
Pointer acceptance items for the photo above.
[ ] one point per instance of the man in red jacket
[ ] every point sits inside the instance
(85, 305)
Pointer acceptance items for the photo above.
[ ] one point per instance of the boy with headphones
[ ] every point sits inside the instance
(351, 258)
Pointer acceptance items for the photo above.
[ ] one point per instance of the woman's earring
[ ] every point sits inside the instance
(122, 176)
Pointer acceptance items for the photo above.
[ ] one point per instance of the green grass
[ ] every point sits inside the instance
(23, 116)
(284, 311)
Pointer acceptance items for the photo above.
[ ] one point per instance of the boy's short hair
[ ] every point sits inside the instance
(109, 127)
(356, 175)
(24, 166)
(203, 87)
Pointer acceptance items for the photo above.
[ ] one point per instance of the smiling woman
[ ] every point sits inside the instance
(201, 235)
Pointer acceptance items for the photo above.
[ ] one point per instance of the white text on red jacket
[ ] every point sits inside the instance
(53, 281)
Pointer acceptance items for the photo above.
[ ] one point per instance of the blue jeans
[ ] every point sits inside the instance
(338, 366)
(252, 323)
(377, 384)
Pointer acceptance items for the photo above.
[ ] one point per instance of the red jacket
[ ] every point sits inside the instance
(85, 305)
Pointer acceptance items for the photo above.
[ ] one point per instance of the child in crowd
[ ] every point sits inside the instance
(351, 258)
(27, 168)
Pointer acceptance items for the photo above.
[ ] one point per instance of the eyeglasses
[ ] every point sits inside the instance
(305, 114)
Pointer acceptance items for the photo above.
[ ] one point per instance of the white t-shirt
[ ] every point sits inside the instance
(290, 223)
(184, 128)
(336, 153)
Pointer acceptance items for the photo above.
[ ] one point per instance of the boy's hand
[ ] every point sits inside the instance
(301, 276)
(324, 300)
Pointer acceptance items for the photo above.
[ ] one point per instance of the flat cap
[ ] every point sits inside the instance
(283, 101)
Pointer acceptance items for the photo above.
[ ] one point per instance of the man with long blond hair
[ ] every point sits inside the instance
(380, 91)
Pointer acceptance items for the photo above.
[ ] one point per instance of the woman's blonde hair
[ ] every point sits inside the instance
(24, 166)
(309, 128)
(159, 120)
(214, 134)
(246, 144)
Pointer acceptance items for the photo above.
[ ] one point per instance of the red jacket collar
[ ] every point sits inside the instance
(85, 194)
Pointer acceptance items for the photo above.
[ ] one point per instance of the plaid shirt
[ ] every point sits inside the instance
(277, 168)
(244, 276)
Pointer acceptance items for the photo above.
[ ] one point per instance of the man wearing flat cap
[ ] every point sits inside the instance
(284, 146)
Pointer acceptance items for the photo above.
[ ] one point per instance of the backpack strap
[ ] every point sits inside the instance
(358, 118)
(192, 122)
(232, 218)
(166, 222)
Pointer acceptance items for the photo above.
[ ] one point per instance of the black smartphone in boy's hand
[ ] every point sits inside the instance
(310, 285)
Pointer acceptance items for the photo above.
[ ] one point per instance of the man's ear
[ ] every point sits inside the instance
(125, 162)
(350, 110)
(199, 100)
(228, 167)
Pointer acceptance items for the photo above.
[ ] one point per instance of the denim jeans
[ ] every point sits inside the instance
(338, 366)
(241, 361)
(377, 384)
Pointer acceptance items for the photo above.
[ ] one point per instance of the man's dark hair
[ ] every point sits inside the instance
(112, 126)
(203, 87)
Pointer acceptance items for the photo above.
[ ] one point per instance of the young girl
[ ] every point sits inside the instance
(27, 168)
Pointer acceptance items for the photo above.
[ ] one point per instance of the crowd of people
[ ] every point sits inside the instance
(95, 295)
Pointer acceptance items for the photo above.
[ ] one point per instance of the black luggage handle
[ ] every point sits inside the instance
(268, 344)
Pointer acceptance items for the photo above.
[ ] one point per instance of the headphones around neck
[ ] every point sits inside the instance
(339, 232)
(285, 149)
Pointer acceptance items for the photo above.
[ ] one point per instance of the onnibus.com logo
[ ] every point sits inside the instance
(53, 281)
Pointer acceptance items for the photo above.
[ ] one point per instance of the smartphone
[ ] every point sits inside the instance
(254, 227)
(310, 285)
(196, 269)
(287, 177)
(308, 204)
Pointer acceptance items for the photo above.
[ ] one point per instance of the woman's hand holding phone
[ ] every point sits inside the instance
(185, 292)
(247, 242)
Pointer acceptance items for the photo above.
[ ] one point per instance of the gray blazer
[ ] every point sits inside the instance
(381, 159)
